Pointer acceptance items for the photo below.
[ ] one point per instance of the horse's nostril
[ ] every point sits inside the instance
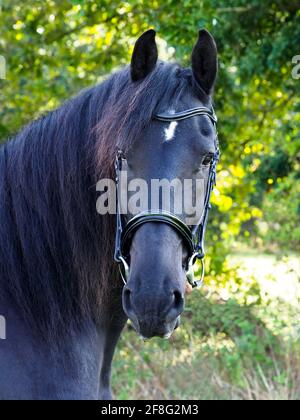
(176, 307)
(127, 299)
(129, 310)
(178, 301)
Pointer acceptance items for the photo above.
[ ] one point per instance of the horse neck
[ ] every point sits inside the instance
(61, 252)
(33, 369)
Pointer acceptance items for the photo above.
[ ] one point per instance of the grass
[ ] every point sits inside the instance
(240, 343)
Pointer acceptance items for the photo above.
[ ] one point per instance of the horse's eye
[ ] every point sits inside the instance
(207, 160)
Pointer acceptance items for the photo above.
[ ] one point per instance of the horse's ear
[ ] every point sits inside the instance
(144, 57)
(205, 61)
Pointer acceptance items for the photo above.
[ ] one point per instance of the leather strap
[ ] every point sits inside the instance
(183, 115)
(156, 217)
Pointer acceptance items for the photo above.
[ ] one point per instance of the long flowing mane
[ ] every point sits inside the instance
(56, 252)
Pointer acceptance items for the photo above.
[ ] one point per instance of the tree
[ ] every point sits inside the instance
(55, 48)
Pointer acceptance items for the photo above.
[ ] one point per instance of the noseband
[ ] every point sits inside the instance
(194, 239)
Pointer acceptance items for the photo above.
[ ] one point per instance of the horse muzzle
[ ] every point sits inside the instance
(153, 316)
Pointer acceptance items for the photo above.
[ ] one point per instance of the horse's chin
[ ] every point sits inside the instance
(166, 335)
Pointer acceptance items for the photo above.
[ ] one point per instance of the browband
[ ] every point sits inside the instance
(183, 115)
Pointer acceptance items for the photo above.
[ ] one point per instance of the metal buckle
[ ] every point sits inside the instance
(190, 274)
(125, 272)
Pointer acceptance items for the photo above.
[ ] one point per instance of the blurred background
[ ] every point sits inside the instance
(240, 335)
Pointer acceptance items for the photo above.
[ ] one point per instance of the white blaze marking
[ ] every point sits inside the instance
(170, 131)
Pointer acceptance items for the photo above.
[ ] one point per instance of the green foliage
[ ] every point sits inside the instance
(281, 224)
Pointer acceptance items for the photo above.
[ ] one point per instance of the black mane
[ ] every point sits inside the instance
(56, 253)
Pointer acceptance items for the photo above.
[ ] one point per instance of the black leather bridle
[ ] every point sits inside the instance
(194, 239)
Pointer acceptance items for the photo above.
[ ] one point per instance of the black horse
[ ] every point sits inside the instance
(61, 290)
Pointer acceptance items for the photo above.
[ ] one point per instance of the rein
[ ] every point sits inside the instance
(194, 239)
